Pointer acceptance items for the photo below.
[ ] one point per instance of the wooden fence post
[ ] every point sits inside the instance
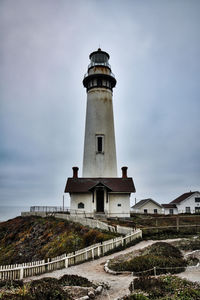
(92, 253)
(66, 262)
(177, 223)
(21, 276)
(99, 252)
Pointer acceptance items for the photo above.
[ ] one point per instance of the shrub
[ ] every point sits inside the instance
(166, 258)
(165, 249)
(166, 288)
(10, 284)
(47, 289)
(154, 286)
(75, 280)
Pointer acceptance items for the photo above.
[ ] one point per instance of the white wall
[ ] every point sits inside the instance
(111, 207)
(150, 206)
(99, 120)
(167, 211)
(119, 211)
(85, 198)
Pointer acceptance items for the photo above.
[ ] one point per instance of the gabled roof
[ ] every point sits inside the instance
(143, 202)
(83, 185)
(183, 197)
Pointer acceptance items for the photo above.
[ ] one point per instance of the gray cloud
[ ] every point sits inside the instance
(154, 48)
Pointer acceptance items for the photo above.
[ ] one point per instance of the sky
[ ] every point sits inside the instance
(154, 49)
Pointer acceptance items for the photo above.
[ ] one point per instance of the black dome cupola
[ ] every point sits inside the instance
(99, 58)
(99, 73)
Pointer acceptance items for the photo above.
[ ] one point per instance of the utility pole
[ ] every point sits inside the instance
(63, 203)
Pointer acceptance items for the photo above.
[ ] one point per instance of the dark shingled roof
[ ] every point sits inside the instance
(169, 205)
(83, 185)
(183, 197)
(143, 202)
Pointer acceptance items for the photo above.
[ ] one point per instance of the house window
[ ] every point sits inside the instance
(171, 211)
(145, 211)
(197, 210)
(197, 199)
(81, 205)
(187, 210)
(99, 143)
(119, 204)
(155, 211)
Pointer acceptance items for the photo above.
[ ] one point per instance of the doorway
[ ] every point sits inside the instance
(100, 200)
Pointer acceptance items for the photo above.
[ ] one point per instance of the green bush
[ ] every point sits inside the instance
(75, 280)
(165, 257)
(10, 284)
(154, 286)
(43, 289)
(165, 288)
(164, 249)
(47, 289)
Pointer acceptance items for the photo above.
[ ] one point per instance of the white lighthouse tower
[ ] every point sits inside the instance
(99, 147)
(100, 191)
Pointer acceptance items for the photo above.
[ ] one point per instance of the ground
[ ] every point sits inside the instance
(94, 270)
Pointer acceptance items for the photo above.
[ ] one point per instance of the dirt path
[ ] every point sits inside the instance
(93, 270)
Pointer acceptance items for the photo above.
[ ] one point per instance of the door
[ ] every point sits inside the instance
(100, 200)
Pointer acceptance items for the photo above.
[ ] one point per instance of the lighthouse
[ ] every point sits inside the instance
(99, 191)
(99, 158)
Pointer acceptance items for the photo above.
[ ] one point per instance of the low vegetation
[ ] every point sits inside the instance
(162, 226)
(165, 257)
(34, 238)
(189, 244)
(163, 288)
(43, 289)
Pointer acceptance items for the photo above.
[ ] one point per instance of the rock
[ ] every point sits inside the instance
(78, 292)
(91, 295)
(99, 289)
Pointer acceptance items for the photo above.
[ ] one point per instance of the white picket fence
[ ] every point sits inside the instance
(93, 223)
(20, 271)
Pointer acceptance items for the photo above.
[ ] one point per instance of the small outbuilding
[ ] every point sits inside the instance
(147, 206)
(100, 196)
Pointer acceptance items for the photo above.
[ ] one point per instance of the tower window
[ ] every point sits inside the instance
(99, 143)
(99, 146)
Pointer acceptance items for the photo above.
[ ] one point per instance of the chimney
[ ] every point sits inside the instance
(75, 172)
(124, 172)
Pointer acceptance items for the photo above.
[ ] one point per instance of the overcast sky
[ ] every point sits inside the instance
(154, 49)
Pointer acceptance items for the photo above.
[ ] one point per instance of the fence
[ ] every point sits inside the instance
(87, 222)
(20, 271)
(93, 223)
(178, 228)
(156, 270)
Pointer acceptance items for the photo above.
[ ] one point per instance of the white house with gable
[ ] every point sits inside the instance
(147, 206)
(186, 203)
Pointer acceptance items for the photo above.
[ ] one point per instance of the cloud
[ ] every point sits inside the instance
(154, 49)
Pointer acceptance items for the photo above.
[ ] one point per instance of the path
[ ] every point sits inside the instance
(93, 270)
